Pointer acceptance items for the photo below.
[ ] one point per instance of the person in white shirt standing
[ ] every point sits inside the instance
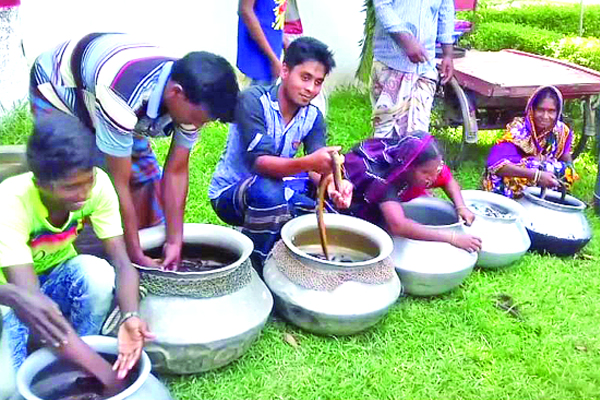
(404, 73)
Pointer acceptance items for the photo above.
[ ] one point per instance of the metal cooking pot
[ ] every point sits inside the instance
(332, 297)
(431, 268)
(555, 227)
(145, 387)
(499, 224)
(203, 320)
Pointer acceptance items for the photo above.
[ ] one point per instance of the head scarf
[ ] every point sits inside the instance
(523, 134)
(376, 165)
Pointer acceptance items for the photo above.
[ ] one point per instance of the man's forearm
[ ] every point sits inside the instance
(402, 38)
(280, 167)
(128, 283)
(127, 275)
(447, 50)
(130, 222)
(23, 277)
(8, 294)
(175, 189)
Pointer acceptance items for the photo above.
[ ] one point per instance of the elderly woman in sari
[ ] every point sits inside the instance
(388, 171)
(535, 150)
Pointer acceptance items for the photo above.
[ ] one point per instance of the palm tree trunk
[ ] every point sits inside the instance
(363, 73)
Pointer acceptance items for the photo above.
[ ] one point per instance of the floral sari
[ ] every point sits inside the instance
(523, 146)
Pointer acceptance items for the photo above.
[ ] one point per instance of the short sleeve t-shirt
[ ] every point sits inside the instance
(250, 58)
(261, 130)
(26, 235)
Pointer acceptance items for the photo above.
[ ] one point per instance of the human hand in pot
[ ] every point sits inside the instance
(145, 261)
(548, 180)
(466, 242)
(466, 215)
(132, 336)
(171, 256)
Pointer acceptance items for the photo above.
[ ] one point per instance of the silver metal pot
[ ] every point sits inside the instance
(555, 227)
(210, 318)
(361, 292)
(145, 387)
(499, 224)
(431, 268)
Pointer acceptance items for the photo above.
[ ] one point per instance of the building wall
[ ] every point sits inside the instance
(184, 25)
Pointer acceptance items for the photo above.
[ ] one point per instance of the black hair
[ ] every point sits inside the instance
(208, 79)
(59, 145)
(308, 49)
(430, 152)
(546, 93)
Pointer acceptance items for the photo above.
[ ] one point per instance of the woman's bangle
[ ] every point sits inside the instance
(128, 315)
(452, 237)
(536, 176)
(461, 207)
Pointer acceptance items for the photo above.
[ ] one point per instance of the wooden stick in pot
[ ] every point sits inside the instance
(337, 161)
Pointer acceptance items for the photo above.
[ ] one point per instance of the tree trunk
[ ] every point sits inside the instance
(363, 73)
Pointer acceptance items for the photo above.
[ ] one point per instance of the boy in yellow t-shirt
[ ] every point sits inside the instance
(41, 213)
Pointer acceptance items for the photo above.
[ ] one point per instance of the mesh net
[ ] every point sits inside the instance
(198, 286)
(327, 280)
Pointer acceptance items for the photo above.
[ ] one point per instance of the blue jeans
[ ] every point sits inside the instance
(261, 206)
(83, 289)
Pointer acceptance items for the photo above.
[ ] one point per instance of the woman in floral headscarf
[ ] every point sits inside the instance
(535, 150)
(386, 172)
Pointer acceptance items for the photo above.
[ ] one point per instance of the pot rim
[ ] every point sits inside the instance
(516, 209)
(530, 194)
(424, 201)
(41, 358)
(379, 236)
(198, 231)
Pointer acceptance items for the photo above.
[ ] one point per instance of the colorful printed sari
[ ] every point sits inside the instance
(523, 146)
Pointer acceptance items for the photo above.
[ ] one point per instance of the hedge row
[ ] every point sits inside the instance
(563, 19)
(494, 36)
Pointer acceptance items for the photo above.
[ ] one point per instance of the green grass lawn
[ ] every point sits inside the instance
(458, 345)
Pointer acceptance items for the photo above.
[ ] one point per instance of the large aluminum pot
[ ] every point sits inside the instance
(555, 227)
(145, 387)
(212, 317)
(499, 224)
(345, 308)
(431, 268)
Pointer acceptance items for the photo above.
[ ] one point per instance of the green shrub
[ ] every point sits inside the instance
(495, 36)
(563, 19)
(582, 51)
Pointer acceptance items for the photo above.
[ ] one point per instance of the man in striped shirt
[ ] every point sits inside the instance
(127, 90)
(404, 72)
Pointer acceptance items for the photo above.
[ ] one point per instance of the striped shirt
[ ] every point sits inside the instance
(123, 82)
(261, 130)
(427, 20)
